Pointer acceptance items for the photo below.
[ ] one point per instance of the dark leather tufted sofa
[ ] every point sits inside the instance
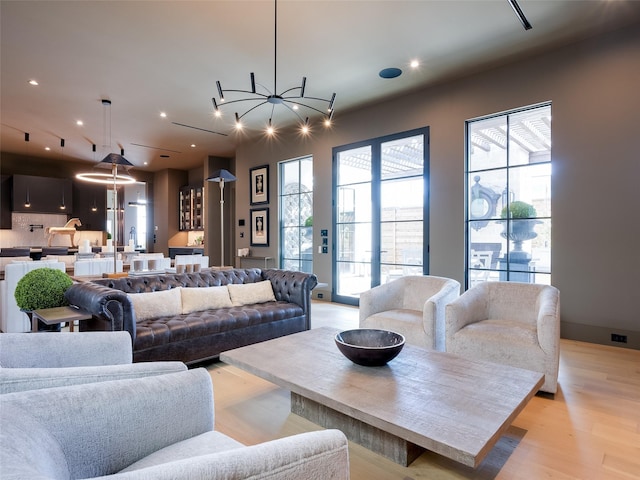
(197, 336)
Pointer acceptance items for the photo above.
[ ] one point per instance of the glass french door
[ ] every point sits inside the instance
(381, 212)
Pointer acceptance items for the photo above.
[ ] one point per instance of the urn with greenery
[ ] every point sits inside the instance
(520, 228)
(42, 288)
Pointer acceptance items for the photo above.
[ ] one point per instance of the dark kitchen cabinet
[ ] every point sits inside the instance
(33, 194)
(5, 201)
(90, 205)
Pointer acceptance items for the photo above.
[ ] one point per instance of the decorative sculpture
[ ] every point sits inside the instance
(68, 229)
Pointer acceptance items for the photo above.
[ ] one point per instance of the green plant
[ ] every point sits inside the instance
(308, 222)
(519, 209)
(108, 236)
(42, 288)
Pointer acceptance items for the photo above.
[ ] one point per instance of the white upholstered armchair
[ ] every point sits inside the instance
(413, 306)
(511, 323)
(157, 428)
(31, 361)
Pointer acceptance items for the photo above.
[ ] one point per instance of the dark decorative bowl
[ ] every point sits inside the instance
(369, 347)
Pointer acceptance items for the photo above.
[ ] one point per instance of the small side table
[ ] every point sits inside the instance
(53, 316)
(254, 258)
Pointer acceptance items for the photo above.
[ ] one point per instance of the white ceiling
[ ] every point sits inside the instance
(158, 56)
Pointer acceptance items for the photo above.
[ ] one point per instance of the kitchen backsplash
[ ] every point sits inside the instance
(27, 231)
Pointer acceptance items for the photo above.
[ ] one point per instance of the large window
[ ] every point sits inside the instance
(509, 197)
(380, 215)
(296, 214)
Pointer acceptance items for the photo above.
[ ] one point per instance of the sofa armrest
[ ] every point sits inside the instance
(311, 456)
(22, 379)
(64, 349)
(294, 287)
(108, 305)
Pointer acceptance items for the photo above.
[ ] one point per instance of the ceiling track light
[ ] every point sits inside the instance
(27, 200)
(520, 14)
(293, 98)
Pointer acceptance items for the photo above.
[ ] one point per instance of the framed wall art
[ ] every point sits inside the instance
(259, 182)
(260, 227)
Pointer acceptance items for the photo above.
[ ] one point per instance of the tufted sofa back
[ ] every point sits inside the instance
(209, 278)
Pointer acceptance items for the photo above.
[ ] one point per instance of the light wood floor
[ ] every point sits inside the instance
(589, 430)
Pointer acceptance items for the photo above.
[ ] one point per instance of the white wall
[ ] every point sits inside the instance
(593, 87)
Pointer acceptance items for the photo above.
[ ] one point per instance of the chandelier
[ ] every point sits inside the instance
(294, 98)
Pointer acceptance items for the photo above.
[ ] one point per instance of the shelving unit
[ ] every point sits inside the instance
(191, 208)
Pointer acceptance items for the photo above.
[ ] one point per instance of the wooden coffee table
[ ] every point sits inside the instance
(420, 400)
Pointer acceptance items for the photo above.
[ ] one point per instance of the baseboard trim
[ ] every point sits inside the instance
(598, 334)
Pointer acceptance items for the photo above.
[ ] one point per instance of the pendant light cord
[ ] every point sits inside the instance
(275, 47)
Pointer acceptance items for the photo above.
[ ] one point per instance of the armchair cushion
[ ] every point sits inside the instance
(413, 306)
(203, 444)
(317, 455)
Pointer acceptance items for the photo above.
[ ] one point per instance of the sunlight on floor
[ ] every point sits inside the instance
(327, 314)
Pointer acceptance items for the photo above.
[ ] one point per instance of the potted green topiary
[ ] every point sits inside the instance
(519, 209)
(521, 228)
(42, 288)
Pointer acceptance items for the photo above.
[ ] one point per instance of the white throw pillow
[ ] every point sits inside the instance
(248, 293)
(205, 298)
(164, 303)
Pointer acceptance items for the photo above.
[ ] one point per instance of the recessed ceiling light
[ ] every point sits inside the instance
(415, 63)
(193, 145)
(33, 82)
(391, 72)
(146, 163)
(163, 114)
(47, 148)
(79, 123)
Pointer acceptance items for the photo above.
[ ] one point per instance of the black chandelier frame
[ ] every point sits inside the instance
(286, 98)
